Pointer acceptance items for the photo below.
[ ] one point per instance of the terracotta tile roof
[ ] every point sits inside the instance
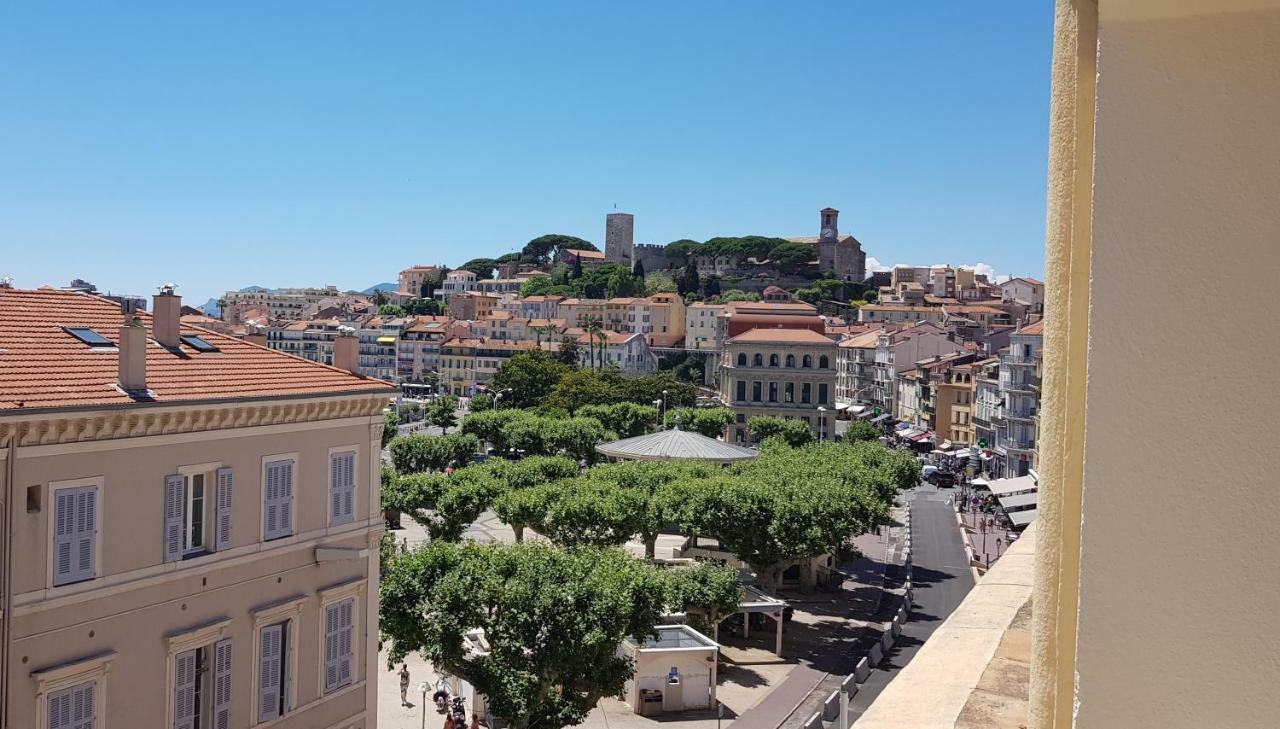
(1035, 328)
(763, 335)
(582, 253)
(42, 366)
(866, 340)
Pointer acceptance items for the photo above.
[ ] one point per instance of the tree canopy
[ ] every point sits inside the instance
(530, 376)
(710, 422)
(547, 666)
(544, 248)
(424, 453)
(794, 433)
(623, 419)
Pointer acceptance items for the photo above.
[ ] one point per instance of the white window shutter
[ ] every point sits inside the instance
(345, 652)
(349, 492)
(335, 488)
(286, 499)
(72, 708)
(270, 501)
(222, 684)
(331, 641)
(59, 709)
(223, 501)
(174, 506)
(86, 528)
(184, 690)
(64, 536)
(269, 664)
(342, 472)
(278, 502)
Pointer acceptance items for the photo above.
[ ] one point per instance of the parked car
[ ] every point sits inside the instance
(942, 479)
(927, 471)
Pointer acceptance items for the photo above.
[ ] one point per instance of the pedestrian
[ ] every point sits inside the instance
(404, 684)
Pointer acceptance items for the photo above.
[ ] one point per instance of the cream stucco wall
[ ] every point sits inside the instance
(1156, 577)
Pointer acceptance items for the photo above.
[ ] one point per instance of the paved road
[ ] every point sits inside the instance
(942, 579)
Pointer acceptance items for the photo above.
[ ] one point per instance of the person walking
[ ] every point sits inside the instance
(404, 684)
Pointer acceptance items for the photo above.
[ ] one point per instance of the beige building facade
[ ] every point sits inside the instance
(197, 548)
(787, 373)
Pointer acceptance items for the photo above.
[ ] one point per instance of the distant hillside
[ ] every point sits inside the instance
(211, 308)
(381, 287)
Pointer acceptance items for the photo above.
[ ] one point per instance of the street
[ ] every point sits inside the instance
(941, 578)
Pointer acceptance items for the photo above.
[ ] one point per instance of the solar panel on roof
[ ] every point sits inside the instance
(89, 336)
(199, 344)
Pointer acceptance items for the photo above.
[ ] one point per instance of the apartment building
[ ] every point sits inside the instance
(379, 339)
(855, 368)
(986, 402)
(456, 282)
(628, 353)
(288, 304)
(580, 312)
(1015, 446)
(788, 373)
(703, 326)
(311, 340)
(471, 305)
(897, 350)
(1026, 290)
(468, 365)
(198, 542)
(417, 280)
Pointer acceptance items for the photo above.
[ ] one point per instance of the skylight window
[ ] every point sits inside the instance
(89, 337)
(199, 344)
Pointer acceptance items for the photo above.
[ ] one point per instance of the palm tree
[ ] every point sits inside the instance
(604, 339)
(594, 328)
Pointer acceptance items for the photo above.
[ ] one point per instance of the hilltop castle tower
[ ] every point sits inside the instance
(619, 238)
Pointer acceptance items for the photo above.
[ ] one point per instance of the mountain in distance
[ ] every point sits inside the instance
(381, 287)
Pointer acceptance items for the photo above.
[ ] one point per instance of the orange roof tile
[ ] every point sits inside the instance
(42, 366)
(783, 336)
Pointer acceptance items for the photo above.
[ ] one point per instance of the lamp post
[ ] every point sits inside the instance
(422, 687)
(822, 423)
(662, 421)
(664, 405)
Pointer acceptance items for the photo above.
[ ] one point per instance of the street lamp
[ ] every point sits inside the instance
(662, 421)
(664, 405)
(822, 422)
(498, 398)
(422, 687)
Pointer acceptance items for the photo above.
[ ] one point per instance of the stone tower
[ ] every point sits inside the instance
(828, 238)
(619, 238)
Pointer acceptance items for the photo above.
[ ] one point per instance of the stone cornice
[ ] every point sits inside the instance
(89, 426)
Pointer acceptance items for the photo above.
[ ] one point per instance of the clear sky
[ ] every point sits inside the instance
(225, 144)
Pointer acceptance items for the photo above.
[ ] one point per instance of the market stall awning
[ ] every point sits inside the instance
(1012, 485)
(923, 436)
(386, 340)
(880, 418)
(1022, 518)
(675, 445)
(1012, 502)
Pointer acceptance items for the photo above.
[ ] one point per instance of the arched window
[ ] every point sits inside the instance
(757, 360)
(807, 361)
(742, 359)
(823, 362)
(773, 360)
(791, 360)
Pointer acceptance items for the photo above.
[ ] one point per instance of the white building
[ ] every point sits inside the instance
(628, 352)
(456, 282)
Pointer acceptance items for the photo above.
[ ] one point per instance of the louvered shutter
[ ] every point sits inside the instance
(86, 531)
(222, 504)
(174, 506)
(345, 653)
(342, 472)
(64, 534)
(269, 662)
(271, 502)
(331, 645)
(72, 708)
(82, 706)
(286, 498)
(222, 685)
(184, 691)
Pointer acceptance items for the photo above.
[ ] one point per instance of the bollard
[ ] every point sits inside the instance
(850, 684)
(815, 721)
(875, 655)
(831, 707)
(896, 626)
(862, 670)
(886, 640)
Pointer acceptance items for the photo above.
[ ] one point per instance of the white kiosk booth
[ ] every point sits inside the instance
(674, 672)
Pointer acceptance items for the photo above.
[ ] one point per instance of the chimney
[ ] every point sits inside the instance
(166, 316)
(258, 338)
(133, 355)
(346, 350)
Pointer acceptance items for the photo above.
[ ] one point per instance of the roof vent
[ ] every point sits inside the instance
(6, 282)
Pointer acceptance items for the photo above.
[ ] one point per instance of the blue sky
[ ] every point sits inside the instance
(290, 144)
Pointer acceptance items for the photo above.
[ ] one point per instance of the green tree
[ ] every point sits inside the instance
(487, 425)
(523, 509)
(588, 512)
(543, 249)
(792, 258)
(569, 351)
(480, 402)
(706, 592)
(481, 267)
(583, 387)
(688, 281)
(547, 666)
(390, 419)
(378, 298)
(794, 433)
(442, 413)
(861, 430)
(710, 422)
(733, 295)
(637, 270)
(679, 252)
(392, 310)
(622, 283)
(711, 286)
(659, 282)
(647, 388)
(530, 376)
(424, 453)
(446, 504)
(625, 419)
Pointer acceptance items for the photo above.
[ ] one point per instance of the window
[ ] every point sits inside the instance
(822, 393)
(73, 707)
(773, 392)
(757, 360)
(741, 391)
(791, 360)
(755, 391)
(197, 511)
(342, 487)
(75, 529)
(338, 651)
(807, 361)
(89, 337)
(273, 671)
(277, 498)
(789, 392)
(202, 687)
(773, 360)
(198, 344)
(824, 362)
(806, 392)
